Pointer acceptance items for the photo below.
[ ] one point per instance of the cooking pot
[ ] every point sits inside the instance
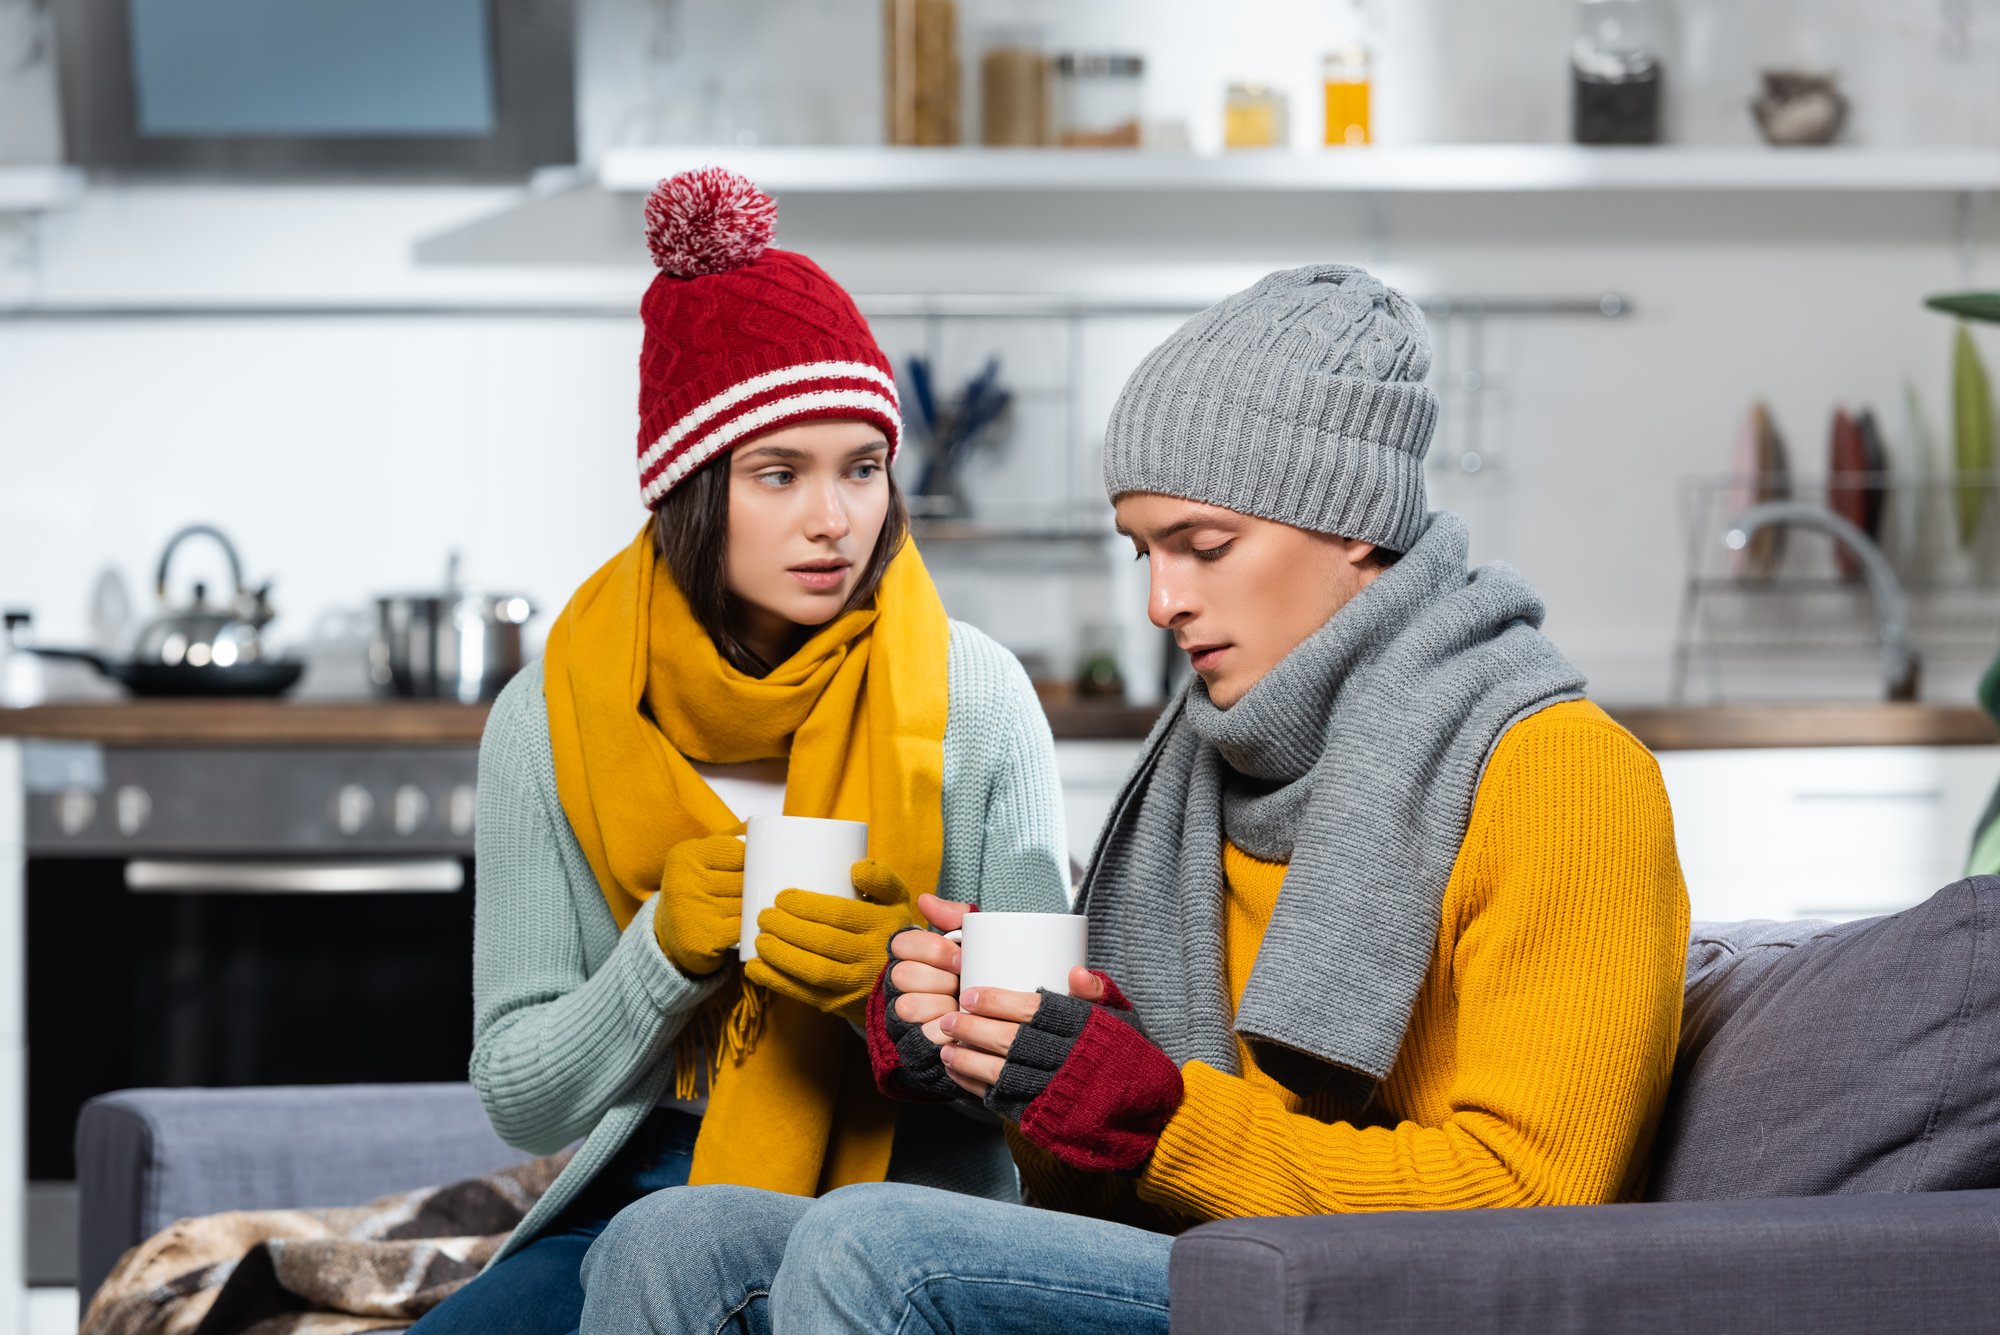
(453, 643)
(199, 649)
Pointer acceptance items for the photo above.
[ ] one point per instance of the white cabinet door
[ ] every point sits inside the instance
(1824, 832)
(1092, 773)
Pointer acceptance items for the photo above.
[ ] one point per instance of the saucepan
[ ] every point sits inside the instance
(454, 643)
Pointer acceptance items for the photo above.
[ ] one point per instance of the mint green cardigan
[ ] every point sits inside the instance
(574, 1021)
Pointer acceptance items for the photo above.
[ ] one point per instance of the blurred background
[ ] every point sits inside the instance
(351, 287)
(366, 318)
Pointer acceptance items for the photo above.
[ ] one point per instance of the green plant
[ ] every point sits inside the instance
(1967, 305)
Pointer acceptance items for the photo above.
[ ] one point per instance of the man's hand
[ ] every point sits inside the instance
(1075, 1072)
(901, 1028)
(982, 1034)
(923, 968)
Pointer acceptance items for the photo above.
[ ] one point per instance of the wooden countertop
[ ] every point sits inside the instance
(251, 722)
(443, 723)
(1686, 728)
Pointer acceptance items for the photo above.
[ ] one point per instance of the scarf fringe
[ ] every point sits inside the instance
(724, 1030)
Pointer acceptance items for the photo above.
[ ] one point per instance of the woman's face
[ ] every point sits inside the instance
(806, 504)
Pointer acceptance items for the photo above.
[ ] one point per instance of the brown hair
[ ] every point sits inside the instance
(691, 534)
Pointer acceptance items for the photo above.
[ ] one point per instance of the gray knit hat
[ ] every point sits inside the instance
(1300, 399)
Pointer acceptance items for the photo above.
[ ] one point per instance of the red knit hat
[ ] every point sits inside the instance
(741, 339)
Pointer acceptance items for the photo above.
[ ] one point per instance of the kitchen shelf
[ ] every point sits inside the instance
(35, 189)
(1430, 169)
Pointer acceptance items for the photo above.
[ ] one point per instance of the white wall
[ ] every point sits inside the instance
(347, 456)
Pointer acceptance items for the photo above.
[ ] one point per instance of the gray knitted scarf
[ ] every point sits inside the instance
(1355, 760)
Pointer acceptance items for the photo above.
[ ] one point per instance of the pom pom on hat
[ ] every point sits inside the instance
(706, 221)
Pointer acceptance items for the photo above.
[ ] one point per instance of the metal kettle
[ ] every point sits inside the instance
(199, 635)
(198, 648)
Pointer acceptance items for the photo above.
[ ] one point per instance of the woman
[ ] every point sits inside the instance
(769, 642)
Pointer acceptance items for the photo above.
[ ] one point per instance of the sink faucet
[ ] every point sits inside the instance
(1899, 658)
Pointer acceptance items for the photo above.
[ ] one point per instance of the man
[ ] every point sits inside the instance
(1388, 916)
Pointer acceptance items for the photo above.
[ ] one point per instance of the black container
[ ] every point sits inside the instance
(1616, 111)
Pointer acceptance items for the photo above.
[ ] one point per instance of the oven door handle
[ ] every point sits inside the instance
(351, 876)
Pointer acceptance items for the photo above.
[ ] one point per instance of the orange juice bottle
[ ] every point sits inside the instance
(1345, 73)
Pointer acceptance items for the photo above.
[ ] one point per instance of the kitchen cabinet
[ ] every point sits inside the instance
(1092, 772)
(1824, 832)
(1798, 832)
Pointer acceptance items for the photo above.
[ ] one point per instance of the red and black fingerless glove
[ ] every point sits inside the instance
(1086, 1084)
(906, 1062)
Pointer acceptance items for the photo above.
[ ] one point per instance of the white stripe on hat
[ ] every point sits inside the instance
(818, 401)
(703, 413)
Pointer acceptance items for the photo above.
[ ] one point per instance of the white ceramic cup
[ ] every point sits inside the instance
(1020, 951)
(796, 853)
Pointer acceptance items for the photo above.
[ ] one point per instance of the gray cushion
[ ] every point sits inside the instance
(1819, 1058)
(146, 1157)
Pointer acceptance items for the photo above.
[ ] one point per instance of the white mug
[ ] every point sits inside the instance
(796, 853)
(1020, 951)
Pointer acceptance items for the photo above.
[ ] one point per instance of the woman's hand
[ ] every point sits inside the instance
(697, 925)
(827, 952)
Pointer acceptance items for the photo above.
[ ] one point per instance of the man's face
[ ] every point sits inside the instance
(1238, 593)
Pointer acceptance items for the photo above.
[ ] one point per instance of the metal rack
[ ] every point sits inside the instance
(1074, 512)
(1794, 606)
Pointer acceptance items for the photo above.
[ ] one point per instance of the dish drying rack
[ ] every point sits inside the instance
(1791, 604)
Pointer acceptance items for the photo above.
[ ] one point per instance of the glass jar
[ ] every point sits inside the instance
(1098, 99)
(1615, 72)
(1345, 77)
(1014, 91)
(1254, 116)
(920, 69)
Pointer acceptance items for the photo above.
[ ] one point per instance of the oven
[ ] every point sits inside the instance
(234, 916)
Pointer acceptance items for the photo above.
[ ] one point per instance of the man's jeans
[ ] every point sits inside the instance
(879, 1257)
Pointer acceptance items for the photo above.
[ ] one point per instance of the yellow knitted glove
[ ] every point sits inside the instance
(828, 952)
(703, 913)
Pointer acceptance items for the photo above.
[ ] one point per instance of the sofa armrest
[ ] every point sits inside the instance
(1827, 1265)
(146, 1157)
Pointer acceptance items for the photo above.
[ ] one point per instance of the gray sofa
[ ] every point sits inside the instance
(1829, 1162)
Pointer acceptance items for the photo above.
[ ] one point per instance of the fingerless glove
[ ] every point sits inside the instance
(1085, 1083)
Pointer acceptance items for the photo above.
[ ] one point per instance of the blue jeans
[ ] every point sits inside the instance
(880, 1257)
(539, 1289)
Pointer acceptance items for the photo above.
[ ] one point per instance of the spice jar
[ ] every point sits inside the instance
(1615, 72)
(1097, 99)
(1014, 92)
(1344, 75)
(1253, 116)
(920, 71)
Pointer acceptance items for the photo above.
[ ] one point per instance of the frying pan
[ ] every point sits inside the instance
(265, 677)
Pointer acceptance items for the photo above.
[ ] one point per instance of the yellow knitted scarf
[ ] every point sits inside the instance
(635, 691)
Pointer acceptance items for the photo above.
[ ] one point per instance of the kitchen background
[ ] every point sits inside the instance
(359, 374)
(176, 352)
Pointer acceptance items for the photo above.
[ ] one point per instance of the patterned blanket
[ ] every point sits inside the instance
(336, 1271)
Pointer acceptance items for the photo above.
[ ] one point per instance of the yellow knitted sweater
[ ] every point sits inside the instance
(1539, 1050)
